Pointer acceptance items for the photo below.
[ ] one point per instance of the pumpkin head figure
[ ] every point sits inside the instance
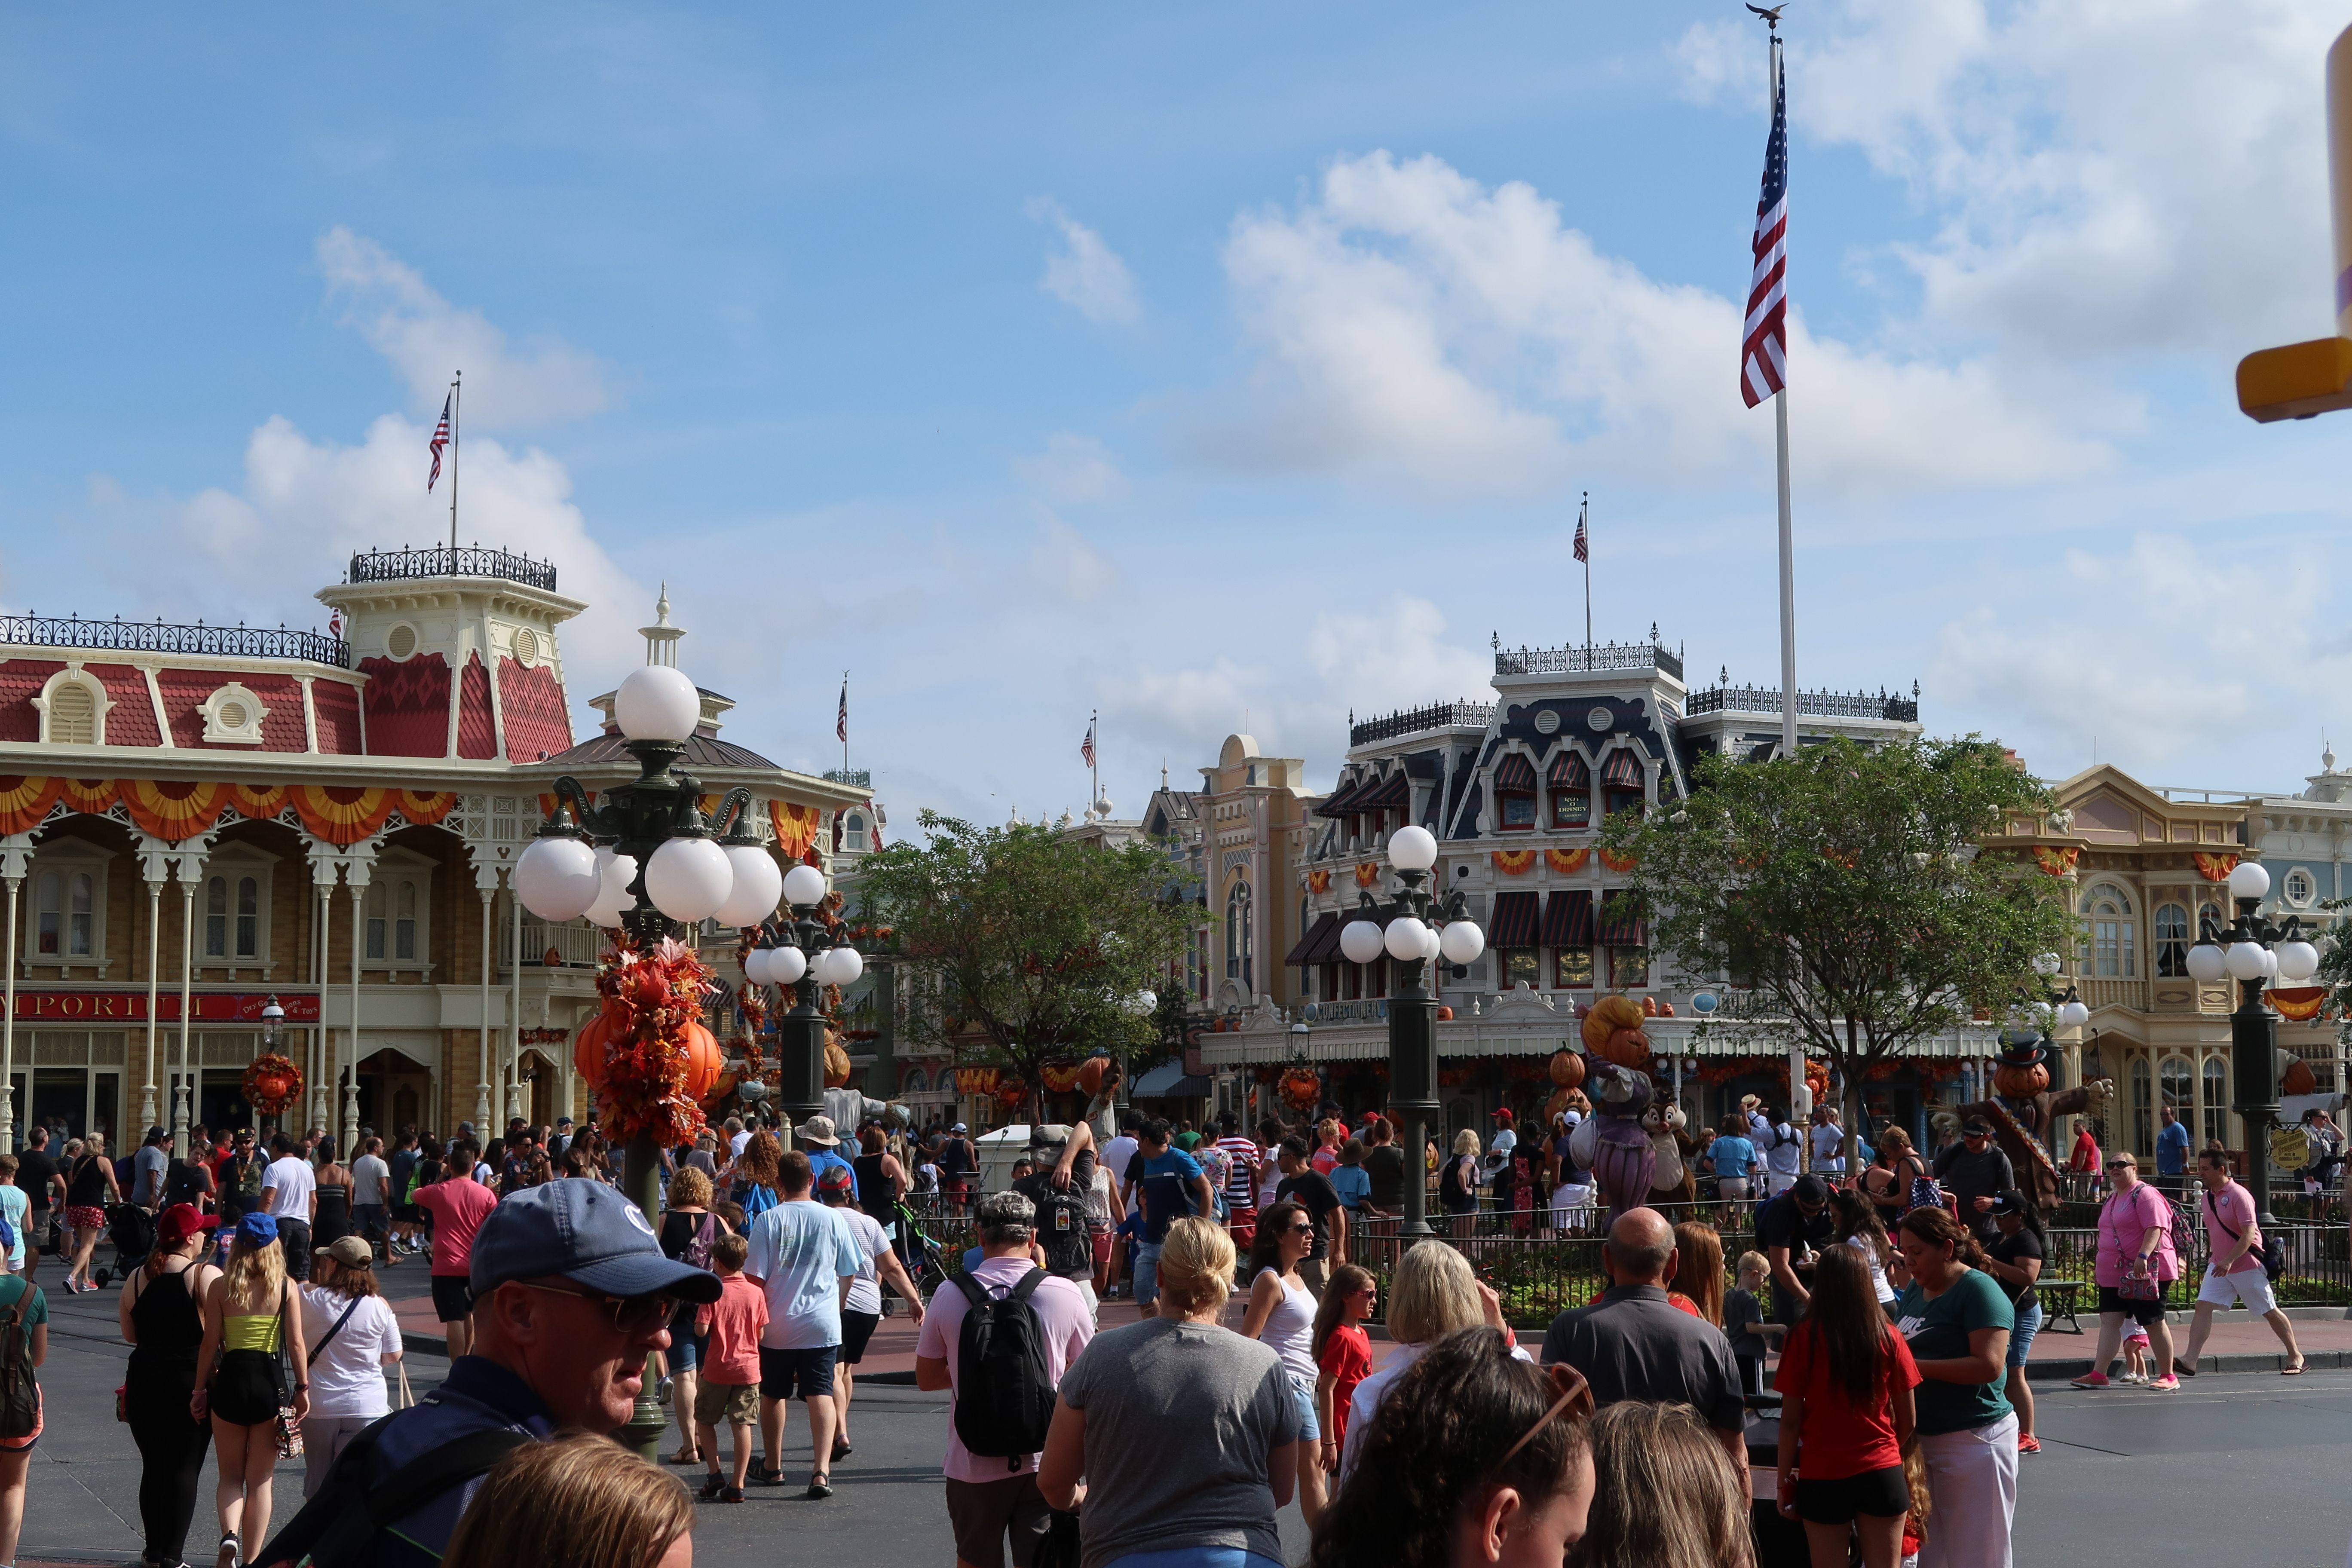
(1613, 1031)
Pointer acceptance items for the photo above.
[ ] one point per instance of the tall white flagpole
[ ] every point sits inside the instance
(1788, 532)
(457, 412)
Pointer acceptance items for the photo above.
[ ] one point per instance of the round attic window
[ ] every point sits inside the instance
(401, 641)
(233, 716)
(526, 646)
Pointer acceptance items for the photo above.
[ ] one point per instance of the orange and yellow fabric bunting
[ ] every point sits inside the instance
(26, 802)
(2298, 1003)
(2214, 867)
(172, 810)
(1367, 873)
(1568, 861)
(92, 795)
(425, 810)
(343, 815)
(1512, 862)
(1319, 881)
(795, 826)
(1616, 862)
(2056, 860)
(259, 802)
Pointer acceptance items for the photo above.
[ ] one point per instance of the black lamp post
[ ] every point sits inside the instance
(798, 951)
(658, 864)
(1413, 928)
(2259, 951)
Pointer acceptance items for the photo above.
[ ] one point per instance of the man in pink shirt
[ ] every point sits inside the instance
(2234, 1242)
(457, 1204)
(990, 1498)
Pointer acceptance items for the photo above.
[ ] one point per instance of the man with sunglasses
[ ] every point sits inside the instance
(1976, 1171)
(571, 1292)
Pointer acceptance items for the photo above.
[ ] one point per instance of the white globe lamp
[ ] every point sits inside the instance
(2244, 961)
(2249, 880)
(804, 886)
(840, 966)
(1461, 942)
(786, 965)
(558, 878)
(755, 967)
(613, 898)
(2206, 962)
(1432, 943)
(2073, 1014)
(1407, 938)
(1360, 941)
(758, 883)
(656, 703)
(2297, 960)
(688, 879)
(1413, 849)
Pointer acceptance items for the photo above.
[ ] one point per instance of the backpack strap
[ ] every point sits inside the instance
(429, 1475)
(973, 1290)
(1028, 1286)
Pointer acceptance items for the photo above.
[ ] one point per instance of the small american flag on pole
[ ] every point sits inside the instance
(440, 440)
(841, 716)
(1583, 541)
(1764, 355)
(1086, 746)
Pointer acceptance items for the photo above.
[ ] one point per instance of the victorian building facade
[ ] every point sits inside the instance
(197, 819)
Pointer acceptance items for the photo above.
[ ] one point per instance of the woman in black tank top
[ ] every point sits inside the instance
(159, 1315)
(880, 1177)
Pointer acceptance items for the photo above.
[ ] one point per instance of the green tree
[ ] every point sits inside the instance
(1035, 942)
(1845, 890)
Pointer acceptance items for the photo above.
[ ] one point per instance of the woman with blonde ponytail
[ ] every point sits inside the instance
(251, 1321)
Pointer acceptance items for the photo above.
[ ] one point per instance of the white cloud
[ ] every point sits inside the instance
(2106, 178)
(426, 338)
(1066, 564)
(1073, 470)
(2149, 650)
(1087, 275)
(1417, 325)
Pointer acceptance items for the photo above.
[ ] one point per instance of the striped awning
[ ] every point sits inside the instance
(1567, 772)
(1393, 790)
(1567, 920)
(1515, 773)
(1514, 924)
(1623, 922)
(1324, 932)
(1622, 770)
(1346, 799)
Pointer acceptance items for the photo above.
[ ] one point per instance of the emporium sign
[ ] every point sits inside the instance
(131, 1006)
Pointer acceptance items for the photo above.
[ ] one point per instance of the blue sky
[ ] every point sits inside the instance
(1032, 361)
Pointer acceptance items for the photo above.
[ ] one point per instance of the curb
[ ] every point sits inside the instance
(2312, 1360)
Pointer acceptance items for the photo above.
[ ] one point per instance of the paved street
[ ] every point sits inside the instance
(2276, 1448)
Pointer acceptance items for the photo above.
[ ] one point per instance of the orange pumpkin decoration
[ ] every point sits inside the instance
(588, 1050)
(703, 1062)
(1567, 1072)
(2299, 1079)
(836, 1065)
(1613, 1031)
(1444, 1015)
(1556, 1104)
(1090, 1075)
(2016, 1082)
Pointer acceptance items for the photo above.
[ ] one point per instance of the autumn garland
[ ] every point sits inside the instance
(649, 999)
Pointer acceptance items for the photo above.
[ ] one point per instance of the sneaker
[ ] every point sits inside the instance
(2167, 1383)
(661, 1392)
(2029, 1444)
(2134, 1378)
(2090, 1379)
(730, 1494)
(713, 1485)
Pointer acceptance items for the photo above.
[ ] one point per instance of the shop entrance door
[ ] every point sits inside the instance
(394, 1093)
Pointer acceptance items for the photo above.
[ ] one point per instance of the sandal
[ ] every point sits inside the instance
(731, 1494)
(2295, 1371)
(686, 1456)
(820, 1487)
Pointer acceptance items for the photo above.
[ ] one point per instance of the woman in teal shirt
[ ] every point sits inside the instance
(1956, 1320)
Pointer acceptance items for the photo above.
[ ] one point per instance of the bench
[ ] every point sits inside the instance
(2060, 1298)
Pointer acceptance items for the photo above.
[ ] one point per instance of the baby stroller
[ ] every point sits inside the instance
(133, 1231)
(918, 1252)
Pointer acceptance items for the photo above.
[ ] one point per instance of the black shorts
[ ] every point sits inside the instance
(453, 1299)
(856, 1328)
(808, 1373)
(246, 1389)
(2145, 1313)
(985, 1516)
(1880, 1494)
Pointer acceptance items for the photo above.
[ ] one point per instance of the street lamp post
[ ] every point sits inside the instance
(647, 860)
(1412, 928)
(799, 951)
(2258, 952)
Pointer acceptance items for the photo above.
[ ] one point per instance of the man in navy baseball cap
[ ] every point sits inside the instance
(571, 1293)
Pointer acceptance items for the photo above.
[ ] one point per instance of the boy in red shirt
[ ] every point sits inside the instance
(729, 1390)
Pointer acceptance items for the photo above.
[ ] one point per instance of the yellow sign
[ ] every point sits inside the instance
(2290, 1149)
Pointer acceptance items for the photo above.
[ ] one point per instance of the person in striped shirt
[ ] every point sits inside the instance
(1240, 1178)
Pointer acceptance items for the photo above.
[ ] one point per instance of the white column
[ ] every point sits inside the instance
(514, 1015)
(314, 1070)
(14, 861)
(147, 1106)
(347, 1071)
(490, 891)
(186, 868)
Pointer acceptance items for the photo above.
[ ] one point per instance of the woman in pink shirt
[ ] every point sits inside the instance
(2136, 1244)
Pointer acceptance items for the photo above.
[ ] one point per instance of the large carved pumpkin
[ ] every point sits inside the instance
(2299, 1079)
(1567, 1070)
(2021, 1083)
(703, 1062)
(1613, 1031)
(836, 1065)
(1090, 1075)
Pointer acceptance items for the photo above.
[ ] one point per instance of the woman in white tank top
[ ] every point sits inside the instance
(1282, 1314)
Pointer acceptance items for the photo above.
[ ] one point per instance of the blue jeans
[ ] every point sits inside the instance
(1147, 1274)
(2020, 1338)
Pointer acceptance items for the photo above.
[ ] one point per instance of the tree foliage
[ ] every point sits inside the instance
(1844, 889)
(1025, 943)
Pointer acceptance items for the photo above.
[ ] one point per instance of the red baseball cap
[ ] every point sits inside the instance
(1505, 1115)
(181, 1221)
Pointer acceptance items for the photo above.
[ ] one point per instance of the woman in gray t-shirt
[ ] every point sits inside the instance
(1186, 1433)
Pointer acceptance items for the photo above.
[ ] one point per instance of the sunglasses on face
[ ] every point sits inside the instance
(630, 1315)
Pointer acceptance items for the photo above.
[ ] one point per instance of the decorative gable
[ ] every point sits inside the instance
(233, 716)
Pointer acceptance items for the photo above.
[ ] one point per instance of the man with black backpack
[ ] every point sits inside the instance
(999, 1339)
(1058, 1192)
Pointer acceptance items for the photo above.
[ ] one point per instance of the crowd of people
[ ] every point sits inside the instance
(1900, 1305)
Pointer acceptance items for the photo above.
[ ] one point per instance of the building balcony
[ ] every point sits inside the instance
(2130, 994)
(1583, 659)
(1764, 701)
(442, 561)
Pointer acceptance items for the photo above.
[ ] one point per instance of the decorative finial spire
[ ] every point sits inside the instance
(661, 637)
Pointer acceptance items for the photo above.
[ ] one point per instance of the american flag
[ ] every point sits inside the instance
(1086, 746)
(841, 716)
(440, 440)
(1583, 542)
(335, 624)
(1764, 356)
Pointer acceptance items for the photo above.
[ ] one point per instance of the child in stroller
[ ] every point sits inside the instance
(133, 1231)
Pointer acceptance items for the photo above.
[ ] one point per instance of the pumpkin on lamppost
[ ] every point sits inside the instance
(1566, 1068)
(271, 1083)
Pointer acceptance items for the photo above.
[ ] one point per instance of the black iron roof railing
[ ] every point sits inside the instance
(442, 561)
(1413, 721)
(119, 635)
(1579, 660)
(1896, 708)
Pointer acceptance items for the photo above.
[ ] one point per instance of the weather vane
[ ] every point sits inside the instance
(1771, 17)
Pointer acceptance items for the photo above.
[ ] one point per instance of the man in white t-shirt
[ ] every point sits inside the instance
(803, 1258)
(1829, 1141)
(290, 1195)
(1119, 1155)
(989, 1498)
(861, 1299)
(737, 1137)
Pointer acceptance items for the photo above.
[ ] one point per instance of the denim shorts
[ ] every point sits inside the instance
(2020, 1338)
(1309, 1429)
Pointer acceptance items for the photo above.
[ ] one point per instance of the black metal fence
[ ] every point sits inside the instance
(160, 636)
(442, 561)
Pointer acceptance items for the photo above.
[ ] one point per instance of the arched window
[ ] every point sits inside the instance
(2171, 941)
(852, 832)
(248, 917)
(915, 1082)
(73, 716)
(2113, 952)
(2173, 1081)
(216, 918)
(2143, 1115)
(1238, 933)
(48, 914)
(2216, 1099)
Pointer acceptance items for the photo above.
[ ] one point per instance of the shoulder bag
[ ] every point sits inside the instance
(288, 1428)
(2273, 1254)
